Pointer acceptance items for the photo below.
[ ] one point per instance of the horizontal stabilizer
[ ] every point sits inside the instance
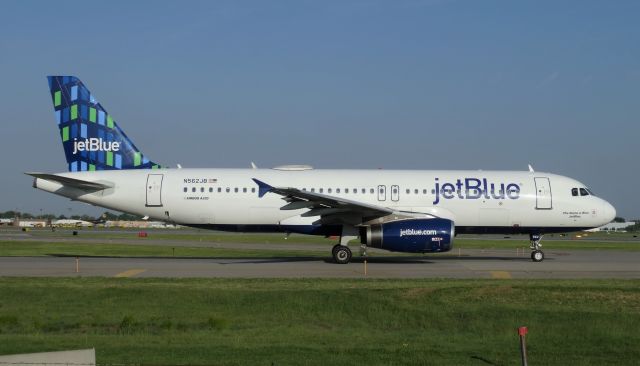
(71, 182)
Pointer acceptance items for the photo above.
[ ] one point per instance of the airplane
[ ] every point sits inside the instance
(396, 210)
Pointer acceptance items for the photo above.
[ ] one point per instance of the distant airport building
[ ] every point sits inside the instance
(32, 223)
(613, 226)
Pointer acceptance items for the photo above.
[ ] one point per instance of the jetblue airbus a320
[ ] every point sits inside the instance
(396, 210)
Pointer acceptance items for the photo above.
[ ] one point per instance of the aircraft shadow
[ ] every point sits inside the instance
(355, 259)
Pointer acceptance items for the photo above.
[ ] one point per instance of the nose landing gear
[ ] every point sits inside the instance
(537, 255)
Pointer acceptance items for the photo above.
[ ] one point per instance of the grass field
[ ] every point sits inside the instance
(323, 322)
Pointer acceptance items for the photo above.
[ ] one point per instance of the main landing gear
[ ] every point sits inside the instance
(537, 255)
(341, 252)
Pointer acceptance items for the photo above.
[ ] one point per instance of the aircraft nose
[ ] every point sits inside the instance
(608, 211)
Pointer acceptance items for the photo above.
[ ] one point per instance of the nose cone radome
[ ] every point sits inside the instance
(608, 212)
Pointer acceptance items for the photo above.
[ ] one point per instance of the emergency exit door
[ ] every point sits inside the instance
(154, 190)
(543, 194)
(382, 193)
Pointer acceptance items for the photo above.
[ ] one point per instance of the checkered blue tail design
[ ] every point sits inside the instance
(91, 138)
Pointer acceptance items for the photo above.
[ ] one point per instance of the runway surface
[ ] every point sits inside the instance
(501, 264)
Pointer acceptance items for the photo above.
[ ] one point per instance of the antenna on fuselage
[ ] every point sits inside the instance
(253, 165)
(179, 166)
(531, 169)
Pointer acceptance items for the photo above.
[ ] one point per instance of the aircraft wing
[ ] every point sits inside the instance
(320, 204)
(71, 182)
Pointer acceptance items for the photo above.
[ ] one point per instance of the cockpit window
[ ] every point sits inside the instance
(574, 192)
(583, 192)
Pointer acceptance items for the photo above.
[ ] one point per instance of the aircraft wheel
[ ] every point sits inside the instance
(537, 256)
(342, 254)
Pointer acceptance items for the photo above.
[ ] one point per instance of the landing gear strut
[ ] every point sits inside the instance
(537, 255)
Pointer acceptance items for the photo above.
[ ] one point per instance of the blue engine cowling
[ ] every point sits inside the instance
(410, 235)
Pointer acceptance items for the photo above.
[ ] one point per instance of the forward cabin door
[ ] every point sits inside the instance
(154, 190)
(543, 194)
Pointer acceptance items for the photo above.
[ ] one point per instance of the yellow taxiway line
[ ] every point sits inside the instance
(130, 273)
(500, 275)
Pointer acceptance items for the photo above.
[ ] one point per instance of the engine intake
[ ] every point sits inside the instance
(410, 235)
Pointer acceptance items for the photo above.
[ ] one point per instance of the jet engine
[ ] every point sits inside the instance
(410, 235)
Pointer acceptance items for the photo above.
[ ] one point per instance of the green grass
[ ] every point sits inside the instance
(323, 322)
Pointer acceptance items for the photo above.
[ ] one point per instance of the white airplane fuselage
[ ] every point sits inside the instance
(227, 199)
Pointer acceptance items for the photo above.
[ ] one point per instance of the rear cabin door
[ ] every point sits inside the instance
(543, 193)
(154, 190)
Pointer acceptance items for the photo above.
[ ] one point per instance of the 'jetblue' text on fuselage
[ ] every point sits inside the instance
(475, 188)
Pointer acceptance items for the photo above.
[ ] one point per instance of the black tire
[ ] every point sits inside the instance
(537, 256)
(342, 254)
(333, 250)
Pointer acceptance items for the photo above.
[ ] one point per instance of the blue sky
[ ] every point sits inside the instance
(344, 84)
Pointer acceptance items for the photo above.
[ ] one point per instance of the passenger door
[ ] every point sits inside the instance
(544, 200)
(154, 190)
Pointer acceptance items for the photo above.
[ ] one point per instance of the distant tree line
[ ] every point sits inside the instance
(106, 216)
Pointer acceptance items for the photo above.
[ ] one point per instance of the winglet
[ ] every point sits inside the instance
(263, 188)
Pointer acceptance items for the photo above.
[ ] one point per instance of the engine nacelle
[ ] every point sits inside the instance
(410, 235)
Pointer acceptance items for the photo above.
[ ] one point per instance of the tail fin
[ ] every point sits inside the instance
(91, 138)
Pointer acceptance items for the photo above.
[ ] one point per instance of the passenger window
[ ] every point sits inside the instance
(415, 191)
(371, 191)
(408, 191)
(583, 192)
(364, 191)
(574, 192)
(228, 189)
(253, 190)
(185, 189)
(210, 189)
(337, 190)
(219, 189)
(395, 190)
(346, 190)
(424, 191)
(193, 189)
(201, 189)
(244, 190)
(329, 190)
(235, 190)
